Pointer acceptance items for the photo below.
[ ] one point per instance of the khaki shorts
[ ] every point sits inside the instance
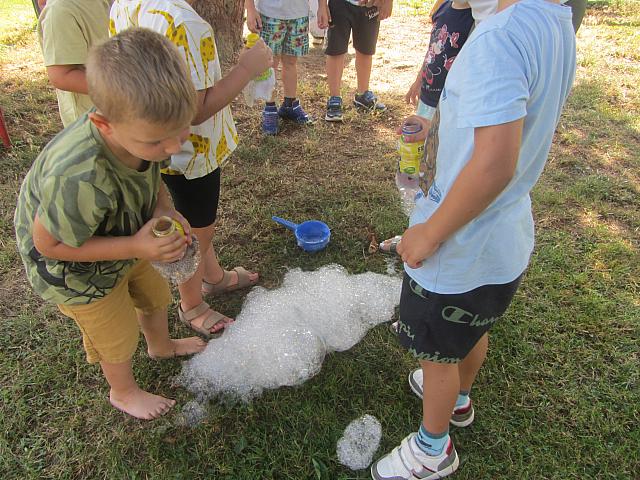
(109, 326)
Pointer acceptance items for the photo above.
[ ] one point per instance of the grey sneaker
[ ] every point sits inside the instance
(408, 462)
(368, 102)
(462, 416)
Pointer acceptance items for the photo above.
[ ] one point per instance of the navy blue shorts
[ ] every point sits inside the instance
(444, 328)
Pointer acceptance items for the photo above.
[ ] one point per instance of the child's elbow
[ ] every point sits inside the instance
(45, 245)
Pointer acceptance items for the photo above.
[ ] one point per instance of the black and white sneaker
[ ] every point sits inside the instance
(334, 109)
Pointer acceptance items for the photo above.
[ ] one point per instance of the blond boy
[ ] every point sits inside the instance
(86, 207)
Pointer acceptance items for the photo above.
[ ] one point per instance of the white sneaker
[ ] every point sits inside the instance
(462, 416)
(408, 462)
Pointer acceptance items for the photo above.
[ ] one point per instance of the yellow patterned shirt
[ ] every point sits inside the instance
(211, 142)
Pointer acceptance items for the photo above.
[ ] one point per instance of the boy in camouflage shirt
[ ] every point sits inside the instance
(86, 208)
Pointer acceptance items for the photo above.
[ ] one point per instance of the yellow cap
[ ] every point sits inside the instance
(252, 39)
(178, 226)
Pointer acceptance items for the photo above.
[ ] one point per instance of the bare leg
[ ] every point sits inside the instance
(469, 367)
(441, 384)
(191, 290)
(213, 272)
(334, 67)
(127, 396)
(276, 60)
(290, 75)
(364, 63)
(155, 328)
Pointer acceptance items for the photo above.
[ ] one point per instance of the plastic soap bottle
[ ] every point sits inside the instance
(408, 172)
(181, 270)
(261, 87)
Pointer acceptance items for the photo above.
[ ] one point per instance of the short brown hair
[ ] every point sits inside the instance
(139, 74)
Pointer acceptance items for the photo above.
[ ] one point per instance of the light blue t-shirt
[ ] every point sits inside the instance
(519, 63)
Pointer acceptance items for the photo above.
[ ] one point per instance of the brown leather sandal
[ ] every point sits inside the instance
(212, 319)
(223, 286)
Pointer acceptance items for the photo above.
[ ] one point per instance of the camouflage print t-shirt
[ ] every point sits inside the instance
(79, 190)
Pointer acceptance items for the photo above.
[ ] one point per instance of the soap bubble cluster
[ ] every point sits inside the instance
(281, 336)
(192, 414)
(181, 270)
(359, 442)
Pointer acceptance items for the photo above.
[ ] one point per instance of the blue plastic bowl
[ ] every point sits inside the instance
(312, 235)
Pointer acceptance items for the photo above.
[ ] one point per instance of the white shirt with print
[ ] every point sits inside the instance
(211, 142)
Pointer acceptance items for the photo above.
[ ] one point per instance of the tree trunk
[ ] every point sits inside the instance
(226, 17)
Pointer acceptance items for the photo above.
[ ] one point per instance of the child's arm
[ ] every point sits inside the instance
(323, 15)
(71, 78)
(254, 22)
(141, 245)
(489, 171)
(251, 63)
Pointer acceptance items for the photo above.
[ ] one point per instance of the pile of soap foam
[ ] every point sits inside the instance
(281, 336)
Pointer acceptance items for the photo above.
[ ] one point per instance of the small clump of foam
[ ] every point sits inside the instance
(192, 414)
(359, 442)
(281, 336)
(181, 270)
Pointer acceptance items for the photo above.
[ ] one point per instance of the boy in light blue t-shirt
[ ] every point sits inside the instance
(472, 234)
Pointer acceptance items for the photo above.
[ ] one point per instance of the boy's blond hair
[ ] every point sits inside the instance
(139, 74)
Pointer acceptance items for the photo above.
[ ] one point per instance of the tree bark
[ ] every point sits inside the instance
(226, 17)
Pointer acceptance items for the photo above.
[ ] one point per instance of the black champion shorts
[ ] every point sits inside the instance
(444, 328)
(196, 199)
(346, 17)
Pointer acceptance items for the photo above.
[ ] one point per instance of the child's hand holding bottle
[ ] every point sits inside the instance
(256, 59)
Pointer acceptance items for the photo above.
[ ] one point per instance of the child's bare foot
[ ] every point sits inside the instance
(141, 404)
(178, 347)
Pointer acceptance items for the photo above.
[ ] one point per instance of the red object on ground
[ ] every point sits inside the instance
(4, 135)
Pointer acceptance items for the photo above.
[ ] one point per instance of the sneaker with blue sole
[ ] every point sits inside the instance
(368, 102)
(270, 120)
(334, 109)
(461, 417)
(295, 113)
(408, 462)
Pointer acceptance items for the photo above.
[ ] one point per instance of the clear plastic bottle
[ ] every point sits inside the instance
(408, 172)
(261, 87)
(181, 270)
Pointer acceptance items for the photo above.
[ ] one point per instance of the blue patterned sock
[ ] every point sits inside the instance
(432, 444)
(463, 398)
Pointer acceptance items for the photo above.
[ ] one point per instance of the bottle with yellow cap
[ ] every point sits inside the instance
(408, 172)
(261, 87)
(181, 270)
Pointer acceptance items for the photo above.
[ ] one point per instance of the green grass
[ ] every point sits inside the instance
(558, 397)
